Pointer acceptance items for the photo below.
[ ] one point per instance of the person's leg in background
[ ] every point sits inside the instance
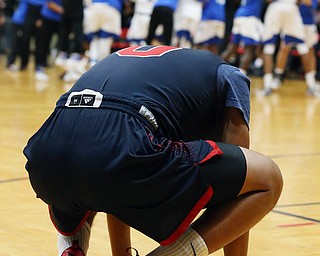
(155, 20)
(167, 21)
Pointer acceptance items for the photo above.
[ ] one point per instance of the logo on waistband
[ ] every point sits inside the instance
(85, 98)
(147, 114)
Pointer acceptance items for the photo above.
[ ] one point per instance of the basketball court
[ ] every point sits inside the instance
(284, 126)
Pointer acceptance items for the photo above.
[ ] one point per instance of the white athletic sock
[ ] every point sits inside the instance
(83, 237)
(189, 244)
(310, 78)
(267, 80)
(279, 71)
(258, 63)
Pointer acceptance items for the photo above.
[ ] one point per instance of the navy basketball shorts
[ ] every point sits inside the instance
(109, 160)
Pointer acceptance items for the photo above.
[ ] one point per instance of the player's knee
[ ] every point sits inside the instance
(302, 49)
(271, 181)
(275, 183)
(269, 49)
(271, 175)
(263, 174)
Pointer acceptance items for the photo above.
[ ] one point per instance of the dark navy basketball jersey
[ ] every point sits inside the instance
(117, 141)
(179, 86)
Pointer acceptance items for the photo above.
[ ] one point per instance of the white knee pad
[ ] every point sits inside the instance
(302, 48)
(269, 49)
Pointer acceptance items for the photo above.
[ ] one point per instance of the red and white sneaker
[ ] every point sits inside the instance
(73, 250)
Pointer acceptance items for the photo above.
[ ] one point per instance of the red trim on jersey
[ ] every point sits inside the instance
(190, 217)
(77, 229)
(141, 51)
(216, 151)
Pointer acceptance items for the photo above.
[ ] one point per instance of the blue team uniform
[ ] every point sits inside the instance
(214, 10)
(172, 4)
(247, 25)
(20, 13)
(249, 8)
(114, 3)
(134, 138)
(50, 14)
(307, 12)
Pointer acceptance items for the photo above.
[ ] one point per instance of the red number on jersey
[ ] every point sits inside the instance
(141, 51)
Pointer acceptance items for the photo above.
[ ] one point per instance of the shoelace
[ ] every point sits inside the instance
(135, 250)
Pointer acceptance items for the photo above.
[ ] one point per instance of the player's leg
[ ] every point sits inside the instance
(230, 51)
(281, 63)
(167, 21)
(73, 231)
(308, 58)
(268, 53)
(119, 234)
(259, 194)
(313, 88)
(272, 27)
(246, 58)
(154, 23)
(309, 72)
(224, 223)
(105, 46)
(233, 45)
(238, 246)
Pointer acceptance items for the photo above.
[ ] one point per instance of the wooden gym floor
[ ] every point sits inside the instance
(284, 126)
